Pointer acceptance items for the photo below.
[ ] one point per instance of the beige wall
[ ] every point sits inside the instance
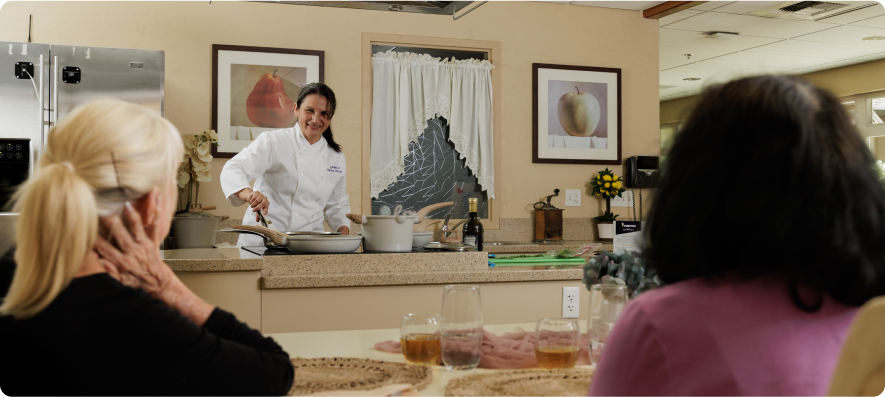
(847, 80)
(529, 32)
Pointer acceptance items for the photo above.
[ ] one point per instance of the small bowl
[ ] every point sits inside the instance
(420, 239)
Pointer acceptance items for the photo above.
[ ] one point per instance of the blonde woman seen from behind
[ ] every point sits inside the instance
(87, 291)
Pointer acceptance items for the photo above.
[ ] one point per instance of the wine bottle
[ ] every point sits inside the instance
(473, 228)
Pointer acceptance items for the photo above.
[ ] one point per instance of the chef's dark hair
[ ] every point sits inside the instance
(324, 91)
(769, 177)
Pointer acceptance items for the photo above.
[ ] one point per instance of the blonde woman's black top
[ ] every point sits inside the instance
(99, 337)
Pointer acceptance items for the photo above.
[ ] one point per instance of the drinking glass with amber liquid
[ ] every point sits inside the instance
(419, 337)
(557, 342)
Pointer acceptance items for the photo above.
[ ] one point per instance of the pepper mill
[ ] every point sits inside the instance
(548, 221)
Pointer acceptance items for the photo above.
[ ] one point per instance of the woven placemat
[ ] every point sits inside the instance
(524, 382)
(314, 375)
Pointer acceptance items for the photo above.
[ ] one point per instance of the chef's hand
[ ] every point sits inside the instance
(255, 199)
(134, 260)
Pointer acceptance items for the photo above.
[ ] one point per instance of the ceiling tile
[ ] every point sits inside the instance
(746, 7)
(815, 49)
(684, 38)
(825, 66)
(711, 5)
(624, 5)
(748, 25)
(789, 62)
(847, 35)
(871, 57)
(677, 16)
(874, 22)
(854, 16)
(671, 57)
(711, 73)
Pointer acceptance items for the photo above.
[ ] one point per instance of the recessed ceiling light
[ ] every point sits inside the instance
(691, 78)
(872, 38)
(395, 8)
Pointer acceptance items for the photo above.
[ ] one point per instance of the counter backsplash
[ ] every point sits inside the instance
(512, 229)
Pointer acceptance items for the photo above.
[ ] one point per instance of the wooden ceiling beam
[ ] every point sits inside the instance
(667, 8)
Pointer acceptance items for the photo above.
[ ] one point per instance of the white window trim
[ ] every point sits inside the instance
(863, 108)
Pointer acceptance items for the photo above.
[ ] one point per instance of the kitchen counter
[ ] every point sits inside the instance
(363, 269)
(307, 292)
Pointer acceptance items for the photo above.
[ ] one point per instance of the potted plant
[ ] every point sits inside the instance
(626, 268)
(606, 185)
(192, 227)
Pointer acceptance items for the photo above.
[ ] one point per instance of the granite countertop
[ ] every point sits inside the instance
(360, 269)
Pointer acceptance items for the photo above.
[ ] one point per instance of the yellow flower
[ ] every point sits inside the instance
(614, 177)
(599, 182)
(617, 185)
(608, 185)
(606, 178)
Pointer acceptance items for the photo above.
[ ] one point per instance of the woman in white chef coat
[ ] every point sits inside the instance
(299, 172)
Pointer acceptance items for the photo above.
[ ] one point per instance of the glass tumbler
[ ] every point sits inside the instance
(419, 337)
(607, 301)
(557, 342)
(461, 327)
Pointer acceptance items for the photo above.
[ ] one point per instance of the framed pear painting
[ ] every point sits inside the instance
(576, 114)
(254, 90)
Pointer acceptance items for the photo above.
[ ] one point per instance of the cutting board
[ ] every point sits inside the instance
(541, 259)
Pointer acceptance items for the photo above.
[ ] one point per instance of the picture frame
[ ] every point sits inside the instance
(252, 88)
(576, 114)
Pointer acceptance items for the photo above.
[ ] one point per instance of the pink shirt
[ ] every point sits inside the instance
(701, 337)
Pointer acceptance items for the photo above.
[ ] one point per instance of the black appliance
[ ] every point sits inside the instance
(15, 166)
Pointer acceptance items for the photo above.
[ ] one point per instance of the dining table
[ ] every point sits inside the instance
(361, 344)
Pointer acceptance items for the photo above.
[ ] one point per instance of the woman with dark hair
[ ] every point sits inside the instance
(768, 269)
(299, 172)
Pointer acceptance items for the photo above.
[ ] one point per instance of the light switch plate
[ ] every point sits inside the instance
(572, 197)
(626, 199)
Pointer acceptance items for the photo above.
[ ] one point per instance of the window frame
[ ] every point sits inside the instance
(863, 108)
(493, 48)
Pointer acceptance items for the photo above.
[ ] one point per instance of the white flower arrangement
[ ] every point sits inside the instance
(196, 165)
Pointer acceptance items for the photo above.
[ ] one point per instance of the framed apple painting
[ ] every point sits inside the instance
(576, 114)
(254, 90)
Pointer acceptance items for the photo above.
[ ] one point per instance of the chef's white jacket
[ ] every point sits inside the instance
(303, 182)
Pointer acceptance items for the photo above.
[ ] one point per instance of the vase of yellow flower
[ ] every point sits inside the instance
(606, 185)
(192, 227)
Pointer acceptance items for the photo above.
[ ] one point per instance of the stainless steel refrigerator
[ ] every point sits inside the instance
(41, 83)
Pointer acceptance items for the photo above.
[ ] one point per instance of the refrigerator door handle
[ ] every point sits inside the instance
(53, 110)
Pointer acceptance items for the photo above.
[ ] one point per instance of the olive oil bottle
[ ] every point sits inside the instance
(473, 228)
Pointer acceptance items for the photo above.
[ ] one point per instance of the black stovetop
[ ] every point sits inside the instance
(262, 251)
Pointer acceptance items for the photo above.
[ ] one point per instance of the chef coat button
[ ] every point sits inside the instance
(300, 174)
(295, 214)
(324, 157)
(322, 177)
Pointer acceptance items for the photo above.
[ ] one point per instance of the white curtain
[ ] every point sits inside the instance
(409, 89)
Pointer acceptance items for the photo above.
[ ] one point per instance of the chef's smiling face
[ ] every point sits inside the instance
(313, 117)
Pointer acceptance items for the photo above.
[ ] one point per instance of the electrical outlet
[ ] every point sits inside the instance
(570, 299)
(626, 199)
(572, 197)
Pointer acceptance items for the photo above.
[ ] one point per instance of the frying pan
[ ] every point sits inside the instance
(313, 242)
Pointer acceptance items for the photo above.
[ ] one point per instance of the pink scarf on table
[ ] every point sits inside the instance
(513, 350)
